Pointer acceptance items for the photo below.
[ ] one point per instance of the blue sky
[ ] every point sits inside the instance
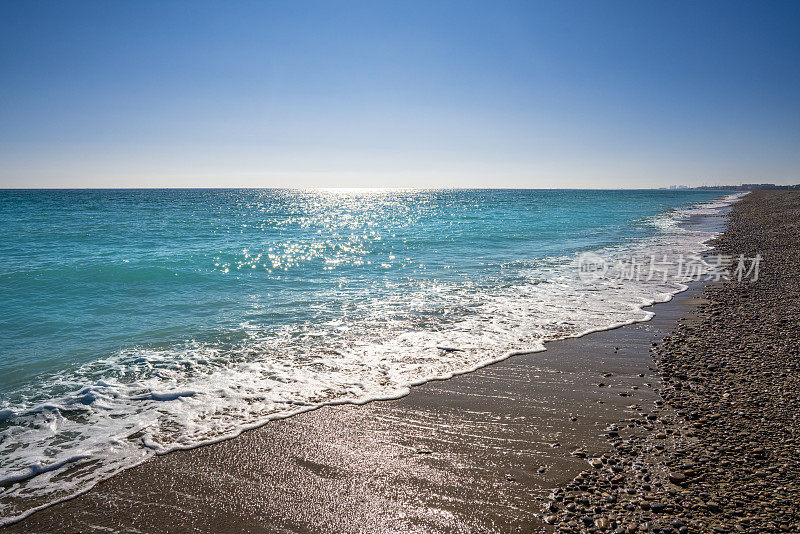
(437, 94)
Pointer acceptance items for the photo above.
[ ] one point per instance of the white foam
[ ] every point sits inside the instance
(145, 401)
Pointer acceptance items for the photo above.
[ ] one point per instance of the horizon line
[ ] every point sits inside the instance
(385, 188)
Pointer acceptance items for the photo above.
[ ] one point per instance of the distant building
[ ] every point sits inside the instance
(742, 187)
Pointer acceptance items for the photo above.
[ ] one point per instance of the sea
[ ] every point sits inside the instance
(139, 322)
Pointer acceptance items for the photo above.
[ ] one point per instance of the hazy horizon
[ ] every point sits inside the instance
(550, 95)
(366, 188)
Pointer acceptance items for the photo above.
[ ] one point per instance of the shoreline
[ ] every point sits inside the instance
(411, 389)
(126, 498)
(547, 458)
(721, 455)
(584, 442)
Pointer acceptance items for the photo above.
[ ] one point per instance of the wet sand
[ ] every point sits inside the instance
(476, 453)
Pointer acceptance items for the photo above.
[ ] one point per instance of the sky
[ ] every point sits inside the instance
(530, 94)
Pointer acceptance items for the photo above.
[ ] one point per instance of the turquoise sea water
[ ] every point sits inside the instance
(137, 322)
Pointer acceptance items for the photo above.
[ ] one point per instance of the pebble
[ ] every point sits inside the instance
(676, 477)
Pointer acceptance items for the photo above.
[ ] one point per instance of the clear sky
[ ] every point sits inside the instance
(433, 93)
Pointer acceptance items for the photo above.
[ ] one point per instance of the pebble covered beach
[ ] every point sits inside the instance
(721, 451)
